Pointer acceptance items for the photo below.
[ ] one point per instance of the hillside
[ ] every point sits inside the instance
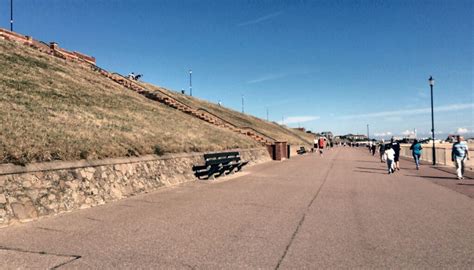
(270, 129)
(51, 109)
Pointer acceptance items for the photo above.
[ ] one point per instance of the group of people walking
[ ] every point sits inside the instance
(390, 153)
(321, 143)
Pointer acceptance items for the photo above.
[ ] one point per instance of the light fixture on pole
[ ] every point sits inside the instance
(431, 81)
(11, 15)
(243, 104)
(190, 82)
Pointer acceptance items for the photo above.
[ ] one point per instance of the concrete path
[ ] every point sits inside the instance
(339, 211)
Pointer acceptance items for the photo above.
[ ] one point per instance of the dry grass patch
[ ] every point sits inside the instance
(239, 119)
(51, 109)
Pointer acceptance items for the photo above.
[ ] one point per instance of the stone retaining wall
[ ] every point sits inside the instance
(44, 189)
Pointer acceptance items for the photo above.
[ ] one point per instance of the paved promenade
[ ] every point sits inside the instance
(339, 211)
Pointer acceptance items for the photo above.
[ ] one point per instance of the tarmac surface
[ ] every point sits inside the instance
(338, 211)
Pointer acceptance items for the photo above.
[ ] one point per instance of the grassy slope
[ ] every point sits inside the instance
(271, 129)
(51, 109)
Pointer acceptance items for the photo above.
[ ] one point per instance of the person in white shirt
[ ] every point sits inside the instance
(459, 154)
(389, 155)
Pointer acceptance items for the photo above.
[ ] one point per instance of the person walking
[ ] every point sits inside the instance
(382, 151)
(373, 148)
(321, 144)
(389, 155)
(459, 154)
(416, 152)
(395, 145)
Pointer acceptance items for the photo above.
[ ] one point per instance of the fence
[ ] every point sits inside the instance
(443, 154)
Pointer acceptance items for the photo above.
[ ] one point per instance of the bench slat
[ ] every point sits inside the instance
(220, 155)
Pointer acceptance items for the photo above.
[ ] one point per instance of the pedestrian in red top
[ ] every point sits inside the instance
(321, 144)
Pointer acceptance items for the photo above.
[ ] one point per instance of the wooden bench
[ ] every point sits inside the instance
(301, 151)
(218, 164)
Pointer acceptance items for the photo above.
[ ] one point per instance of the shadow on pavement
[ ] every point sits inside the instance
(377, 169)
(367, 161)
(453, 178)
(368, 172)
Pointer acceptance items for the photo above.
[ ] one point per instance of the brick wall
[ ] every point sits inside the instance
(53, 47)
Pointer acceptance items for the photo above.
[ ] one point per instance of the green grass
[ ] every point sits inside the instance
(51, 109)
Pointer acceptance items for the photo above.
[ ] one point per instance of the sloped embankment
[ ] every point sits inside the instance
(270, 129)
(51, 109)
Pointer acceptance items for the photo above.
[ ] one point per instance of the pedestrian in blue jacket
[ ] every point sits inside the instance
(416, 152)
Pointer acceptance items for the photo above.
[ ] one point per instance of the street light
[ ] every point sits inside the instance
(431, 81)
(243, 104)
(190, 82)
(11, 15)
(368, 135)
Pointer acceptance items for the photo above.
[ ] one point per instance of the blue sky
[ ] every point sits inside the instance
(324, 65)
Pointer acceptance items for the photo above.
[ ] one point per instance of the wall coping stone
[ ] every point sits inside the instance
(8, 169)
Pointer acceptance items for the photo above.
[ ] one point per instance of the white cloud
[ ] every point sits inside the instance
(298, 119)
(408, 132)
(444, 108)
(462, 131)
(261, 19)
(383, 134)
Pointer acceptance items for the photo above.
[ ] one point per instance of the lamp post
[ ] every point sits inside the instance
(431, 81)
(243, 104)
(368, 137)
(190, 82)
(11, 15)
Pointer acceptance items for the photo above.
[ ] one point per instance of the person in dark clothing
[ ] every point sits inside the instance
(395, 145)
(382, 150)
(373, 148)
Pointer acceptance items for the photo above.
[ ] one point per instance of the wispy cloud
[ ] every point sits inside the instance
(275, 76)
(444, 108)
(268, 77)
(261, 19)
(298, 119)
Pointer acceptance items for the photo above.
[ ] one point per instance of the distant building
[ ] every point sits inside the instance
(354, 137)
(328, 135)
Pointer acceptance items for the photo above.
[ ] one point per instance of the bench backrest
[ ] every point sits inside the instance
(218, 158)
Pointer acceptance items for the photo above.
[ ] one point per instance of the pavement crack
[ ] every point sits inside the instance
(48, 229)
(300, 223)
(73, 257)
